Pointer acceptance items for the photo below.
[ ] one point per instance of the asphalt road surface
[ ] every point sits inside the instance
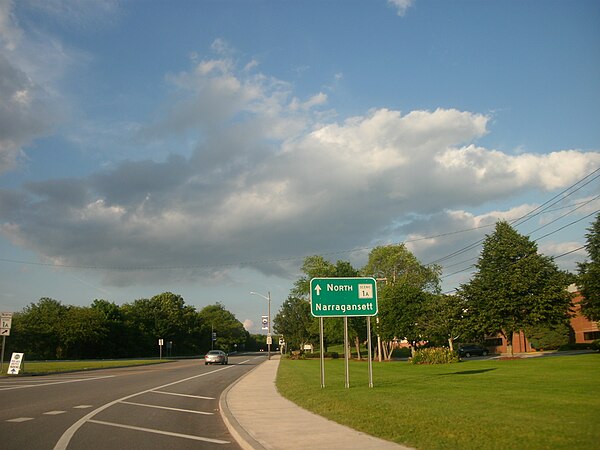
(165, 406)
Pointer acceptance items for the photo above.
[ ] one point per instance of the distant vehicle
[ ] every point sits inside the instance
(216, 357)
(472, 350)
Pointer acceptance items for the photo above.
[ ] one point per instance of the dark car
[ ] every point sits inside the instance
(216, 357)
(472, 350)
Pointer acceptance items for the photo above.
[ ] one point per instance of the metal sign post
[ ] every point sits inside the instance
(322, 350)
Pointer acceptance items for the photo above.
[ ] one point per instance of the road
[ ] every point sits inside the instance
(165, 406)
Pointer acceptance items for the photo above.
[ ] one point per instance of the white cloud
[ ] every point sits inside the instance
(401, 5)
(270, 177)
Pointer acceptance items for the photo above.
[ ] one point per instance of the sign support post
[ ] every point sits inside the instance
(322, 352)
(346, 353)
(369, 351)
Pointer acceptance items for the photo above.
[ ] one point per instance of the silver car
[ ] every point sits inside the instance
(216, 357)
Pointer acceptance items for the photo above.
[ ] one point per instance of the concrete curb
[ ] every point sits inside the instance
(241, 436)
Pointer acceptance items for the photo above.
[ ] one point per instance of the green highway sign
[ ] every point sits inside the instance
(339, 297)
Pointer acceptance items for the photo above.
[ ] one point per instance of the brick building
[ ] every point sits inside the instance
(585, 331)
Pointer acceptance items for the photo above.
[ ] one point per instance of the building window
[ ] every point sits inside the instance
(591, 335)
(493, 342)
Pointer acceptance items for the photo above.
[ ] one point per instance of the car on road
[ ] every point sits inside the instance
(472, 350)
(216, 357)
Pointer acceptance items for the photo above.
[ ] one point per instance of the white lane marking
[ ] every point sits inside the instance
(20, 419)
(169, 408)
(168, 433)
(82, 406)
(183, 395)
(23, 386)
(64, 440)
(54, 413)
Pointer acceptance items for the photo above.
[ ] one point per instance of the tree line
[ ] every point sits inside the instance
(49, 329)
(514, 288)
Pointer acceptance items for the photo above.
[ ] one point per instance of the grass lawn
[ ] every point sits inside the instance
(531, 403)
(44, 367)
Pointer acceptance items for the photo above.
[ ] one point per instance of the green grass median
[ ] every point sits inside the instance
(46, 367)
(531, 403)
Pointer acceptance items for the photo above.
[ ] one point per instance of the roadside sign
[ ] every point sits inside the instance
(5, 323)
(15, 363)
(343, 297)
(265, 322)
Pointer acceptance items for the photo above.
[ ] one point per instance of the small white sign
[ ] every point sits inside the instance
(365, 291)
(265, 322)
(5, 322)
(15, 364)
(160, 342)
(4, 331)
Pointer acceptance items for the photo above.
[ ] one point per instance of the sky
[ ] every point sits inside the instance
(206, 148)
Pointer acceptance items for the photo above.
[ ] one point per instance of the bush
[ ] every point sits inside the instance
(596, 345)
(578, 346)
(316, 355)
(435, 355)
(402, 352)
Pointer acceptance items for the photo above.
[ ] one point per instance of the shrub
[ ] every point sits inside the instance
(435, 355)
(402, 352)
(595, 345)
(317, 355)
(577, 346)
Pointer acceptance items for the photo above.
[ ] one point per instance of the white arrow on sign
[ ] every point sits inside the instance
(318, 289)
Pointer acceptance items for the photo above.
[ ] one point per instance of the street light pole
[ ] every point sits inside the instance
(268, 298)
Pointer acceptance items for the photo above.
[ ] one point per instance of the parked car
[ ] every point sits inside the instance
(472, 350)
(216, 357)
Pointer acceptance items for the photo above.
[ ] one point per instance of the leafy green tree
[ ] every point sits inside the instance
(117, 343)
(589, 273)
(81, 330)
(400, 308)
(36, 329)
(313, 266)
(442, 318)
(164, 316)
(404, 284)
(549, 337)
(514, 287)
(395, 264)
(230, 331)
(294, 321)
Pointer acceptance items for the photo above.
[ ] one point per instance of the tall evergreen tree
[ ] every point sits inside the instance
(514, 287)
(589, 273)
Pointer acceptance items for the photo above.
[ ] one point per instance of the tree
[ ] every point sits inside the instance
(295, 322)
(443, 318)
(404, 284)
(589, 274)
(230, 331)
(36, 329)
(81, 331)
(397, 264)
(514, 287)
(164, 316)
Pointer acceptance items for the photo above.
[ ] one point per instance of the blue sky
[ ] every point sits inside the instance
(207, 147)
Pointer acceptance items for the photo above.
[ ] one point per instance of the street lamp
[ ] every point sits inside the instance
(268, 298)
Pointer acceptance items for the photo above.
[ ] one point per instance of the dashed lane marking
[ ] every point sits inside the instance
(64, 440)
(167, 433)
(183, 395)
(20, 419)
(169, 408)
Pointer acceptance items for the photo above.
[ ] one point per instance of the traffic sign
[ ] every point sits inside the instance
(343, 297)
(5, 323)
